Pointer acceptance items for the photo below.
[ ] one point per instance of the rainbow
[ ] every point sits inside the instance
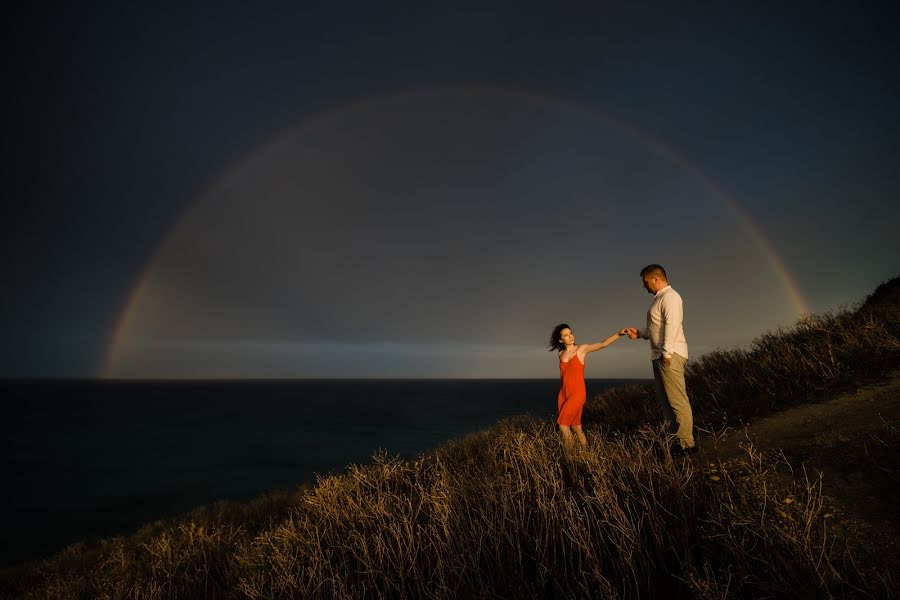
(781, 270)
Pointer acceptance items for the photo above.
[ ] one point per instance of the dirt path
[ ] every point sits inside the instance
(867, 411)
(852, 440)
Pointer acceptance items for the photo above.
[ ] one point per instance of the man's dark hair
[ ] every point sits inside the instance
(654, 269)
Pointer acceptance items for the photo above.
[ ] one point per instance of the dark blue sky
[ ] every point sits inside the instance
(119, 118)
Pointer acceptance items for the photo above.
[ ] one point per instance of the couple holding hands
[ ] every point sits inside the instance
(669, 353)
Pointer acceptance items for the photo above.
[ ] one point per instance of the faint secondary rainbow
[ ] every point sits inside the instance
(746, 222)
(753, 230)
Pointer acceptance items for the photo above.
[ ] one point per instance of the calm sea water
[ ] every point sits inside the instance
(89, 459)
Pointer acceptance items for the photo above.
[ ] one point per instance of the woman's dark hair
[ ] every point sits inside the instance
(555, 342)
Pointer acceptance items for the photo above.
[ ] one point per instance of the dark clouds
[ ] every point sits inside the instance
(118, 116)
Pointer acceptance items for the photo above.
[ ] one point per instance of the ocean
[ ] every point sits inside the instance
(82, 460)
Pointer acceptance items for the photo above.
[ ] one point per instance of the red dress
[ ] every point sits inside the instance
(572, 392)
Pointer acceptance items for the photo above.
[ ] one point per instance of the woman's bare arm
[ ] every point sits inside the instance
(604, 343)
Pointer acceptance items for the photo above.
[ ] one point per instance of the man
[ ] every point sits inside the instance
(669, 354)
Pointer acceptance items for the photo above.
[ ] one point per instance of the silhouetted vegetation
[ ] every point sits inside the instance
(507, 512)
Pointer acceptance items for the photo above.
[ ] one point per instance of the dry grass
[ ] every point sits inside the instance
(502, 513)
(190, 557)
(508, 512)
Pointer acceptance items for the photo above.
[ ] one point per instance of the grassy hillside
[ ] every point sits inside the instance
(508, 513)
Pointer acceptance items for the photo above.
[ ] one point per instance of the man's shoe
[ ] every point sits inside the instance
(679, 450)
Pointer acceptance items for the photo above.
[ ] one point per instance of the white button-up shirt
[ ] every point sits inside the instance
(665, 328)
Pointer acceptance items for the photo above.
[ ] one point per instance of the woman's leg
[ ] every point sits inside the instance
(579, 434)
(567, 438)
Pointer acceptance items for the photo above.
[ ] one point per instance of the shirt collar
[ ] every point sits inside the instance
(668, 287)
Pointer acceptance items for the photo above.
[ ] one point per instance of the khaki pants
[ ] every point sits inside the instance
(673, 400)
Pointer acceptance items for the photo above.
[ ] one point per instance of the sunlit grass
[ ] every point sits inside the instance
(502, 513)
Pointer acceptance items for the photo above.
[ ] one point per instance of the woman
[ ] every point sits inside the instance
(572, 392)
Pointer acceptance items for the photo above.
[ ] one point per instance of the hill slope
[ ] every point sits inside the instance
(509, 512)
(851, 442)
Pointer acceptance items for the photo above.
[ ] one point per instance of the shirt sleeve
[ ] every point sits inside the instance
(672, 313)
